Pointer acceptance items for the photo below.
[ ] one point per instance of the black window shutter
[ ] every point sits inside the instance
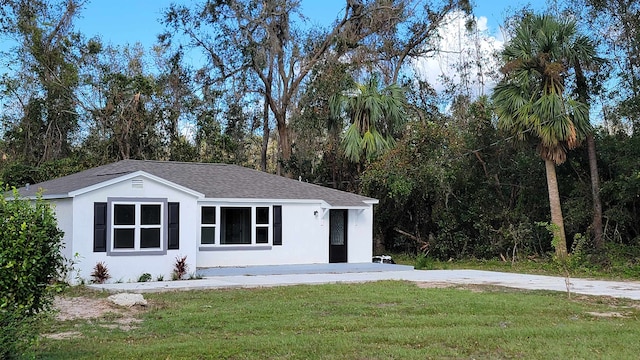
(277, 225)
(174, 226)
(99, 227)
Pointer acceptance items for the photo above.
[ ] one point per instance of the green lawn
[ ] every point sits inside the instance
(384, 320)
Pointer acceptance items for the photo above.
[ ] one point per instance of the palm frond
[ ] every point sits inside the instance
(531, 98)
(352, 142)
(374, 114)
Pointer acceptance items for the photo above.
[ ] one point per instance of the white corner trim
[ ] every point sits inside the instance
(131, 176)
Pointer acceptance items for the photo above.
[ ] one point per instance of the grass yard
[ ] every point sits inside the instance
(384, 320)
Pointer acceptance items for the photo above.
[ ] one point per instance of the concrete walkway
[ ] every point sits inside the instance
(250, 278)
(335, 268)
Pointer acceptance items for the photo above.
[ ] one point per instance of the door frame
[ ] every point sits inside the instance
(338, 253)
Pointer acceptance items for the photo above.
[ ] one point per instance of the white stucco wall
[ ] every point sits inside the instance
(129, 268)
(305, 240)
(360, 236)
(64, 216)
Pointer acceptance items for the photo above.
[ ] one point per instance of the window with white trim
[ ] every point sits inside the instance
(208, 225)
(262, 225)
(235, 225)
(137, 226)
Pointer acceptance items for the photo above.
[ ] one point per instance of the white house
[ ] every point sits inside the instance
(139, 216)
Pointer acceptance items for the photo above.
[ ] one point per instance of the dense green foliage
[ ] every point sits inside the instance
(30, 261)
(383, 320)
(454, 203)
(459, 191)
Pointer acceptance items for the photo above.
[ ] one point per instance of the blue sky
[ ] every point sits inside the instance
(119, 22)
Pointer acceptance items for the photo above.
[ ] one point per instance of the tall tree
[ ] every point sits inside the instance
(589, 80)
(123, 126)
(175, 103)
(318, 155)
(531, 102)
(257, 37)
(45, 118)
(265, 38)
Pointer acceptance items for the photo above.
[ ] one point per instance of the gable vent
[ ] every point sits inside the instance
(137, 183)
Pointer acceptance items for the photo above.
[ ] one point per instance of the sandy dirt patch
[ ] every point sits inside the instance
(99, 311)
(83, 308)
(434, 285)
(446, 285)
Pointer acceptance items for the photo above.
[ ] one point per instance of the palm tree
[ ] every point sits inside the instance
(531, 102)
(375, 114)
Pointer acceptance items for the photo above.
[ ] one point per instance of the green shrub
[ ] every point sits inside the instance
(144, 277)
(424, 262)
(31, 261)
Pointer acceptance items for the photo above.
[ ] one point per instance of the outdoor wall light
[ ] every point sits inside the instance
(315, 213)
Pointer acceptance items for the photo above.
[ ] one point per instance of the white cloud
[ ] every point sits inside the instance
(465, 58)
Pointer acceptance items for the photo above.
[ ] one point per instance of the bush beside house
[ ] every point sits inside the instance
(30, 262)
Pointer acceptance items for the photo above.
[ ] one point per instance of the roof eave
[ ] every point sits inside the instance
(354, 205)
(52, 197)
(35, 196)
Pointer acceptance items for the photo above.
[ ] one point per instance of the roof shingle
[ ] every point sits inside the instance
(217, 181)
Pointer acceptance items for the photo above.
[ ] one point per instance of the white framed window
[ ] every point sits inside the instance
(222, 226)
(137, 226)
(208, 223)
(134, 226)
(263, 224)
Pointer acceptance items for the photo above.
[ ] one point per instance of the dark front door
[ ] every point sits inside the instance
(337, 236)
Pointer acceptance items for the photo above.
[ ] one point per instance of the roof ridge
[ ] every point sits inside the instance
(176, 162)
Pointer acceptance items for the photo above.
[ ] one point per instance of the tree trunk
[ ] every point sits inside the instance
(598, 240)
(596, 224)
(285, 146)
(265, 137)
(284, 143)
(556, 211)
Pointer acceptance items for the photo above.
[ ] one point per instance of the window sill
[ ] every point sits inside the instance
(136, 252)
(234, 247)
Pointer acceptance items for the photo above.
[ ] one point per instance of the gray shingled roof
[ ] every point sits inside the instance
(213, 180)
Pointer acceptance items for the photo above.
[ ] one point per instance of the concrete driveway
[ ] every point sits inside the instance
(259, 277)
